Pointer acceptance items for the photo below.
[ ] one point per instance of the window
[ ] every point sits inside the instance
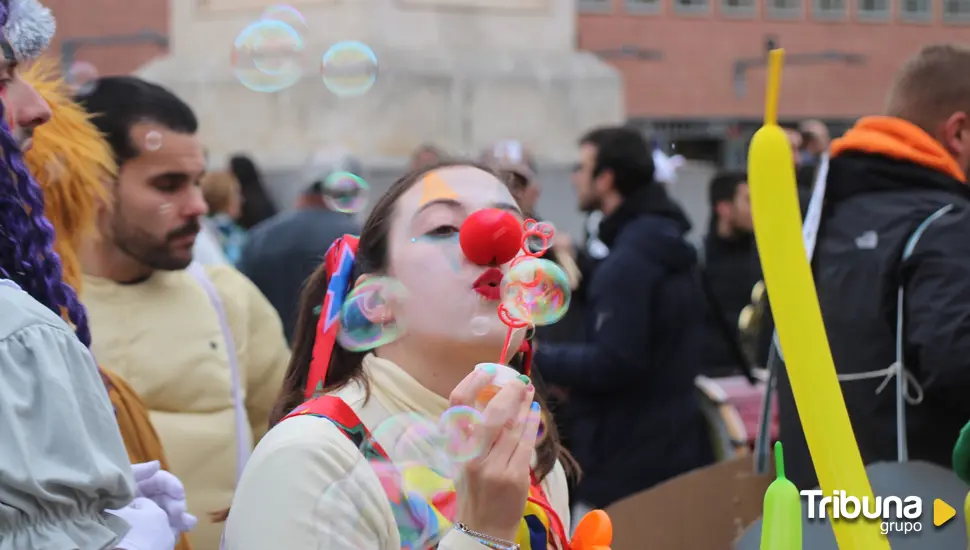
(956, 11)
(916, 10)
(743, 8)
(595, 6)
(873, 9)
(785, 9)
(829, 9)
(643, 6)
(691, 6)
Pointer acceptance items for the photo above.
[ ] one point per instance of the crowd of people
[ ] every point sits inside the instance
(173, 376)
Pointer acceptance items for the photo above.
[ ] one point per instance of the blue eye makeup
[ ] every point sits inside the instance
(443, 233)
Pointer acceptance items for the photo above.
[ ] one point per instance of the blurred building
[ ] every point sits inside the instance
(115, 37)
(694, 69)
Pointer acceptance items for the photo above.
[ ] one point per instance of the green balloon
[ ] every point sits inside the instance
(961, 455)
(781, 528)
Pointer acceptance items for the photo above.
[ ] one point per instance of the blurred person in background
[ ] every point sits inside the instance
(731, 269)
(891, 178)
(815, 141)
(202, 346)
(222, 194)
(636, 417)
(70, 161)
(426, 155)
(256, 203)
(283, 251)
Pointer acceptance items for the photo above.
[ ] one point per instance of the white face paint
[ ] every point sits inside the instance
(425, 256)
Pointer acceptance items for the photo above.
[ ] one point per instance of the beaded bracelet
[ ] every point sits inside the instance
(487, 540)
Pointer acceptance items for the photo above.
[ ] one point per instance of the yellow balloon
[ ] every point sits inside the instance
(798, 319)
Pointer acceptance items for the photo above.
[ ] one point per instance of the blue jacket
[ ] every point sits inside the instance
(636, 420)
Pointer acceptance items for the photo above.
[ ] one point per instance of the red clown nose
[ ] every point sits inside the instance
(491, 237)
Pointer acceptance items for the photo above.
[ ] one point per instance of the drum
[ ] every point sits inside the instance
(732, 407)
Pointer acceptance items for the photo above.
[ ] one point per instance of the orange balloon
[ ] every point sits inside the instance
(594, 532)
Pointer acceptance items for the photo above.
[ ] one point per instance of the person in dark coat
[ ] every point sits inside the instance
(887, 176)
(256, 204)
(731, 270)
(636, 417)
(281, 252)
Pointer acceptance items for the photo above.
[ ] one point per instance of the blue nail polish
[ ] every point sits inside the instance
(535, 406)
(488, 369)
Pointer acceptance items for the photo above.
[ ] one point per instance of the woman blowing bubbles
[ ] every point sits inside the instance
(499, 500)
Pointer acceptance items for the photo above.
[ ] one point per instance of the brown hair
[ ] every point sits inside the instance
(218, 189)
(931, 86)
(347, 366)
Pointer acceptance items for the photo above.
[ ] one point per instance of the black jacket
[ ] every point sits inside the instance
(281, 252)
(873, 205)
(731, 269)
(636, 420)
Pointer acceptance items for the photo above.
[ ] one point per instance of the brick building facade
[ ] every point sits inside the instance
(694, 69)
(115, 37)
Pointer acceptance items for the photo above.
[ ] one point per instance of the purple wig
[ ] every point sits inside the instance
(27, 254)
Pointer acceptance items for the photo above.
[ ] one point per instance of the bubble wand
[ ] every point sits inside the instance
(495, 237)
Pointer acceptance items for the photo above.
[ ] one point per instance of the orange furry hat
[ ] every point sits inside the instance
(71, 162)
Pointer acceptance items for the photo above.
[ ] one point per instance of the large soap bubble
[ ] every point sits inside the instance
(267, 56)
(536, 291)
(370, 316)
(349, 68)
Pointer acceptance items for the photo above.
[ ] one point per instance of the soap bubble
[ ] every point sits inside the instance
(267, 56)
(54, 169)
(415, 439)
(369, 316)
(424, 501)
(345, 192)
(153, 141)
(459, 428)
(286, 14)
(339, 513)
(349, 68)
(536, 291)
(538, 238)
(480, 325)
(82, 77)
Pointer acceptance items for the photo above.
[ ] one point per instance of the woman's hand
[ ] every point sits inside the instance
(493, 488)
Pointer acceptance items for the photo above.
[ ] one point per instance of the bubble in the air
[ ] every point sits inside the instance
(480, 325)
(153, 141)
(369, 317)
(415, 439)
(424, 502)
(339, 512)
(267, 56)
(82, 77)
(345, 192)
(349, 68)
(461, 437)
(54, 169)
(538, 238)
(286, 14)
(536, 291)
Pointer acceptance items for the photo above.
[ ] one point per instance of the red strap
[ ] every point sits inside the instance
(555, 523)
(339, 412)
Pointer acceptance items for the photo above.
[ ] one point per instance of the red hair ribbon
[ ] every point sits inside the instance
(339, 264)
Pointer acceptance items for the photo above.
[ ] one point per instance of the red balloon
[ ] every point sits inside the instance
(491, 237)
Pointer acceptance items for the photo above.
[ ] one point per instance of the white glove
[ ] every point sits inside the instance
(149, 527)
(165, 490)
